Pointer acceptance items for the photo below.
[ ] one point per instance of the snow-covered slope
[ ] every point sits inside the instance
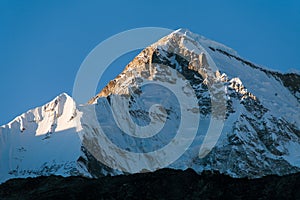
(261, 118)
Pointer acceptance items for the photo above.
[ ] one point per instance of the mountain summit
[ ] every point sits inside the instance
(169, 90)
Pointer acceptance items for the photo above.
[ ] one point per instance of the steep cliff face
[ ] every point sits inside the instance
(179, 85)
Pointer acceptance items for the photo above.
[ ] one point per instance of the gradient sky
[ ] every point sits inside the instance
(43, 43)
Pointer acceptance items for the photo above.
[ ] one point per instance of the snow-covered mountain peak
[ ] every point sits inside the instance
(185, 34)
(261, 105)
(260, 135)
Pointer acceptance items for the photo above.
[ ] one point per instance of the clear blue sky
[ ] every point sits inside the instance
(42, 43)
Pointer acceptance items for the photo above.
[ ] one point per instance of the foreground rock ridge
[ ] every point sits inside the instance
(162, 184)
(260, 135)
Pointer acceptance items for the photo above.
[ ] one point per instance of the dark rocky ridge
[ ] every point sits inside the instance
(162, 184)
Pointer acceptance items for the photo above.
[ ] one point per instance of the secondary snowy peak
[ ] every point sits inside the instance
(55, 116)
(42, 141)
